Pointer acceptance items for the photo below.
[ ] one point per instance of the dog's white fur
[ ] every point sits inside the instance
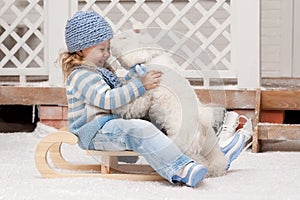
(161, 106)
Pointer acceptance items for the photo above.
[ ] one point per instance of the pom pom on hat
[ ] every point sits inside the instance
(86, 29)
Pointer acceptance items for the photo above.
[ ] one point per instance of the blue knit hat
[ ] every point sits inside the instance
(86, 29)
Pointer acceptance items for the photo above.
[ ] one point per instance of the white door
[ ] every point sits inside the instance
(296, 40)
(290, 39)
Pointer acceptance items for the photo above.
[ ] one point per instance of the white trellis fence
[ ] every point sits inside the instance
(209, 39)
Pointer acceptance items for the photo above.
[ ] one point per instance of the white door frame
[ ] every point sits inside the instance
(245, 43)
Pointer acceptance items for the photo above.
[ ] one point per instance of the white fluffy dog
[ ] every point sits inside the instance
(173, 107)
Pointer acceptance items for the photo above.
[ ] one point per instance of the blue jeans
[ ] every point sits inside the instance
(144, 138)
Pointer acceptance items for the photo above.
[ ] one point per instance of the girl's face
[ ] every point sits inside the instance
(97, 54)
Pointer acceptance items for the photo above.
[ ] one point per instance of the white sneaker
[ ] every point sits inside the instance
(247, 131)
(228, 128)
(191, 174)
(234, 148)
(235, 145)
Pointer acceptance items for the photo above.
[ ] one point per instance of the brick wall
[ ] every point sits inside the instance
(56, 116)
(268, 116)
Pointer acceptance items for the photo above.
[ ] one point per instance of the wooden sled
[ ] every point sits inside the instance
(49, 149)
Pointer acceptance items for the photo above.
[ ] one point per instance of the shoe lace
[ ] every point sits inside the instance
(225, 130)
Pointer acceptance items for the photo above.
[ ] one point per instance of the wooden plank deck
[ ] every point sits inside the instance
(12, 95)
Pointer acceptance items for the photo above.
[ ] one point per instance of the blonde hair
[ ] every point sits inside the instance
(69, 61)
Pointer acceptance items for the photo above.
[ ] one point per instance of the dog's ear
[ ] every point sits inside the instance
(132, 47)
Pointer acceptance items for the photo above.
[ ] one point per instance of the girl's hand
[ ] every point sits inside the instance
(151, 80)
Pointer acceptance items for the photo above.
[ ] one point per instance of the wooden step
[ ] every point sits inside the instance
(270, 131)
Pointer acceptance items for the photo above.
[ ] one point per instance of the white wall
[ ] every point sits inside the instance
(280, 38)
(296, 44)
(270, 37)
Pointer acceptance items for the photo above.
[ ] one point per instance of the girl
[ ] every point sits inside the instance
(93, 90)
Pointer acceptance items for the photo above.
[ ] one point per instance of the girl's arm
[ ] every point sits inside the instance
(89, 87)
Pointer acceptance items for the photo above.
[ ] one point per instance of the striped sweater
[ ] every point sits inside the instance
(90, 101)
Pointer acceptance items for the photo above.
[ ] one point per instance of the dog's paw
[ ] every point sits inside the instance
(216, 162)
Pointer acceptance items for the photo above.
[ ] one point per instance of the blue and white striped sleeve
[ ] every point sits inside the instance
(89, 87)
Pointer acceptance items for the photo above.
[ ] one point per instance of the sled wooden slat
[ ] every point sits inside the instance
(55, 166)
(112, 153)
(110, 162)
(57, 158)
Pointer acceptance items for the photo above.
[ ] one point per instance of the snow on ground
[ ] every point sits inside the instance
(268, 175)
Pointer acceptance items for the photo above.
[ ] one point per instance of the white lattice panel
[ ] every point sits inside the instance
(195, 32)
(21, 40)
